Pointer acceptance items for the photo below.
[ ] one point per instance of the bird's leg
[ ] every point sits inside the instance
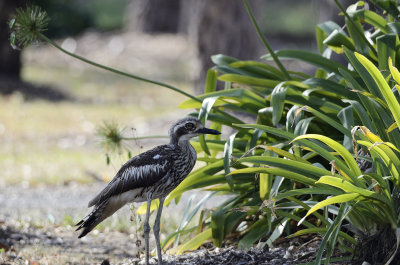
(156, 230)
(146, 229)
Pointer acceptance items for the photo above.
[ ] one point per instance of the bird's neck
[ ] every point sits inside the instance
(184, 144)
(181, 143)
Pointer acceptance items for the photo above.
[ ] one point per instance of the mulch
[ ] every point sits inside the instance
(290, 252)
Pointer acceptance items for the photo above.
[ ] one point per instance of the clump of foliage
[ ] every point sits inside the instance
(298, 161)
(302, 159)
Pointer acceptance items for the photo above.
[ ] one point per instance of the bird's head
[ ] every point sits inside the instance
(188, 128)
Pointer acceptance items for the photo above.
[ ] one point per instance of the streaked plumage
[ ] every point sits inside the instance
(150, 175)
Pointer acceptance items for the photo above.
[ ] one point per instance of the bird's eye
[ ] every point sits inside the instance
(189, 126)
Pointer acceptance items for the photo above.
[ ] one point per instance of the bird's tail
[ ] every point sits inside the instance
(98, 214)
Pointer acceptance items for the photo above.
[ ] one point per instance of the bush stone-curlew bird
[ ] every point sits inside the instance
(148, 176)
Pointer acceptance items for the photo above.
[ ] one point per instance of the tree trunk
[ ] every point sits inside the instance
(10, 62)
(161, 16)
(328, 10)
(153, 16)
(224, 27)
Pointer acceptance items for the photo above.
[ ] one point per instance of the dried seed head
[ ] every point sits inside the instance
(27, 25)
(111, 136)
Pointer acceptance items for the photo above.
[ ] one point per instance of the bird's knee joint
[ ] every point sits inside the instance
(146, 228)
(156, 229)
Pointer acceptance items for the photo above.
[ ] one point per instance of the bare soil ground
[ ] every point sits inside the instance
(32, 231)
(36, 227)
(31, 246)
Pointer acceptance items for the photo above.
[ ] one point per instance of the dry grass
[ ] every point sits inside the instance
(56, 143)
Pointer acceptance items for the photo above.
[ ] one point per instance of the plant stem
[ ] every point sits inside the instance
(117, 71)
(264, 40)
(355, 26)
(42, 36)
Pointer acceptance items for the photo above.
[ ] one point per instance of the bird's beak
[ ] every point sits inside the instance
(208, 131)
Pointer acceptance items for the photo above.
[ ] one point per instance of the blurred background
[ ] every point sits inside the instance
(52, 105)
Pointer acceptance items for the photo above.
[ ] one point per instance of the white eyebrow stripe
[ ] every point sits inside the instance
(156, 157)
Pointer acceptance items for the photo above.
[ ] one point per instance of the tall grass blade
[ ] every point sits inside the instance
(382, 85)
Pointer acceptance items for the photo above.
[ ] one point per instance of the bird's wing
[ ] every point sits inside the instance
(141, 171)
